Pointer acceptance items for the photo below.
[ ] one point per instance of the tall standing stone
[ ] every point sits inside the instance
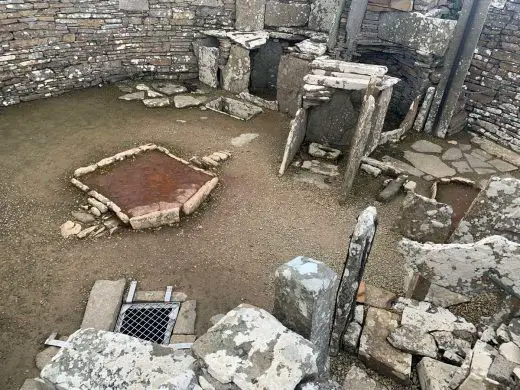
(208, 65)
(250, 15)
(304, 302)
(358, 252)
(236, 73)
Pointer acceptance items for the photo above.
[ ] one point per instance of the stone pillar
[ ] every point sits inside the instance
(358, 252)
(305, 290)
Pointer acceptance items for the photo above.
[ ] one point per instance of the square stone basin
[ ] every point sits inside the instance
(234, 108)
(146, 186)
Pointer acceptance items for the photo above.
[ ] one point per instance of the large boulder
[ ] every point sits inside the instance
(97, 359)
(251, 349)
(424, 219)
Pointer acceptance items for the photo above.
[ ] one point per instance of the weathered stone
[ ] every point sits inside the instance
(443, 297)
(476, 162)
(184, 101)
(322, 15)
(249, 40)
(169, 88)
(357, 378)
(497, 150)
(353, 269)
(258, 101)
(377, 353)
(377, 297)
(358, 145)
(133, 96)
(501, 370)
(244, 139)
(286, 14)
(294, 139)
(185, 323)
(304, 302)
(416, 31)
(502, 166)
(452, 154)
(183, 338)
(291, 71)
(422, 115)
(435, 319)
(308, 46)
(511, 352)
(98, 359)
(36, 384)
(461, 373)
(424, 219)
(44, 357)
(236, 73)
(371, 170)
(85, 232)
(234, 108)
(98, 205)
(413, 340)
(133, 5)
(392, 189)
(321, 168)
(481, 362)
(514, 330)
(251, 349)
(405, 167)
(69, 229)
(250, 15)
(319, 384)
(322, 151)
(494, 211)
(208, 65)
(446, 341)
(434, 375)
(429, 164)
(83, 217)
(462, 166)
(103, 304)
(351, 337)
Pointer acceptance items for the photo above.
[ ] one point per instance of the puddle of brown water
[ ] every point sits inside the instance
(458, 196)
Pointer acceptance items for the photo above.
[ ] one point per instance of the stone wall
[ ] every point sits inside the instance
(493, 82)
(51, 46)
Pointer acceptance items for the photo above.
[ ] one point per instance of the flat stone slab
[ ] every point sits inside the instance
(497, 150)
(184, 101)
(432, 165)
(424, 146)
(252, 350)
(185, 323)
(462, 267)
(411, 170)
(99, 360)
(413, 340)
(377, 353)
(234, 108)
(244, 139)
(502, 166)
(169, 88)
(434, 375)
(424, 219)
(462, 166)
(452, 154)
(103, 304)
(496, 210)
(476, 162)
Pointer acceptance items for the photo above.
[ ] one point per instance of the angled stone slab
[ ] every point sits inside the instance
(434, 375)
(496, 210)
(294, 139)
(249, 348)
(103, 304)
(304, 302)
(422, 115)
(377, 353)
(98, 359)
(378, 119)
(236, 73)
(291, 72)
(358, 379)
(353, 270)
(208, 65)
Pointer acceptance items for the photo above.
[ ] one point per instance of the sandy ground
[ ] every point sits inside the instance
(223, 255)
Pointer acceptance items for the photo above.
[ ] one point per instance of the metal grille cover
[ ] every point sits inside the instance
(148, 321)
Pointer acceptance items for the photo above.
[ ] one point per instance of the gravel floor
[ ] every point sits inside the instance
(223, 255)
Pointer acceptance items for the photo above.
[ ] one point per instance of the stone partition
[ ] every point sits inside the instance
(493, 82)
(50, 47)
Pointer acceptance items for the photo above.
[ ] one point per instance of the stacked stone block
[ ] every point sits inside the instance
(53, 46)
(493, 82)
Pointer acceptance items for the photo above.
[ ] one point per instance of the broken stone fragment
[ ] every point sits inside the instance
(413, 340)
(209, 162)
(184, 101)
(511, 352)
(482, 359)
(44, 357)
(249, 348)
(103, 304)
(186, 318)
(83, 217)
(434, 375)
(501, 370)
(169, 88)
(97, 204)
(351, 337)
(392, 189)
(157, 102)
(319, 384)
(371, 170)
(133, 96)
(321, 168)
(308, 46)
(443, 297)
(424, 219)
(85, 232)
(377, 353)
(357, 378)
(98, 359)
(69, 229)
(36, 384)
(322, 151)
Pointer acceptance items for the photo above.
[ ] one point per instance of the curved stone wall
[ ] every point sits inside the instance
(51, 46)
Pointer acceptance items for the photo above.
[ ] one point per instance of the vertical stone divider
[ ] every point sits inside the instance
(353, 270)
(305, 291)
(457, 62)
(359, 140)
(294, 139)
(356, 15)
(379, 116)
(208, 65)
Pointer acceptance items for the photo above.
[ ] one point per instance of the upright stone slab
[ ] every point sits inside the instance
(356, 15)
(322, 15)
(359, 143)
(291, 71)
(378, 119)
(208, 65)
(98, 359)
(104, 304)
(294, 139)
(250, 15)
(279, 14)
(305, 290)
(236, 73)
(358, 252)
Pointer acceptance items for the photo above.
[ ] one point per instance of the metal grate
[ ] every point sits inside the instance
(148, 321)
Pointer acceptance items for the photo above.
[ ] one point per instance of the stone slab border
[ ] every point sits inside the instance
(156, 218)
